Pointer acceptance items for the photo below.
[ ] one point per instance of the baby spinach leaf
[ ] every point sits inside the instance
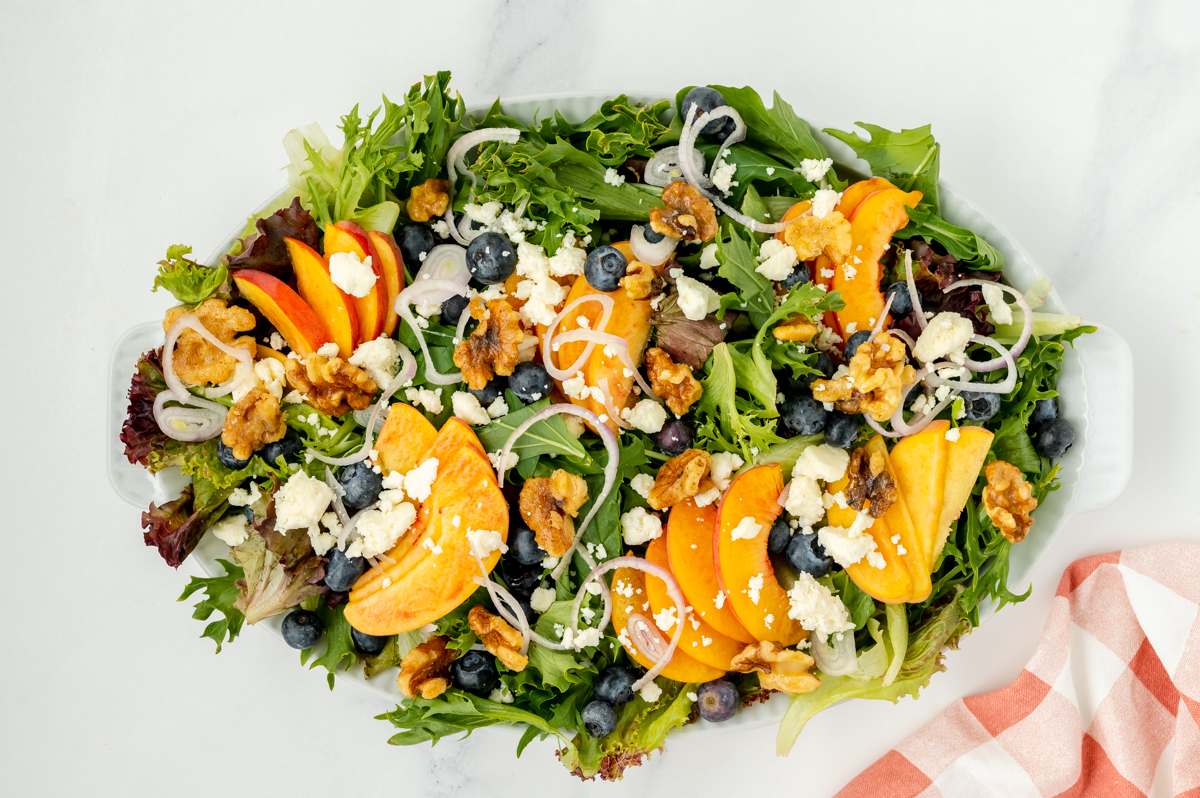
(909, 159)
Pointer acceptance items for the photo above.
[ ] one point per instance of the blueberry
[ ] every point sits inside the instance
(1043, 410)
(523, 546)
(803, 415)
(287, 447)
(490, 392)
(369, 645)
(225, 455)
(614, 685)
(531, 615)
(841, 429)
(675, 437)
(522, 580)
(806, 555)
(604, 268)
(980, 406)
(302, 629)
(901, 301)
(452, 309)
(599, 718)
(778, 539)
(341, 572)
(824, 364)
(855, 341)
(530, 382)
(651, 236)
(801, 274)
(706, 99)
(414, 241)
(490, 258)
(248, 511)
(1054, 438)
(361, 483)
(718, 700)
(474, 672)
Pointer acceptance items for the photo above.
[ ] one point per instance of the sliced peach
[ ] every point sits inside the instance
(899, 522)
(872, 224)
(919, 465)
(964, 459)
(794, 212)
(266, 351)
(430, 580)
(636, 608)
(754, 495)
(404, 439)
(284, 308)
(698, 640)
(332, 306)
(853, 196)
(689, 537)
(893, 584)
(372, 308)
(391, 263)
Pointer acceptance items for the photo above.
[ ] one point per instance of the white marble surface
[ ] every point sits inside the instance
(128, 127)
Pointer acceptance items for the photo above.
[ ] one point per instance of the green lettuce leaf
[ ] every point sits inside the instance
(960, 242)
(584, 174)
(338, 653)
(221, 592)
(618, 130)
(189, 282)
(548, 436)
(909, 159)
(755, 293)
(732, 423)
(281, 571)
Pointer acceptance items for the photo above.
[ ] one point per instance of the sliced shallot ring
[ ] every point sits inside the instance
(887, 308)
(548, 358)
(191, 322)
(452, 228)
(410, 296)
(508, 607)
(444, 262)
(1026, 327)
(1004, 386)
(200, 423)
(619, 345)
(651, 254)
(407, 371)
(338, 493)
(665, 161)
(913, 293)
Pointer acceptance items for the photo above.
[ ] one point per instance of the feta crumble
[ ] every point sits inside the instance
(612, 177)
(642, 484)
(813, 169)
(231, 530)
(354, 276)
(466, 406)
(746, 529)
(422, 397)
(696, 300)
(816, 608)
(379, 358)
(848, 546)
(639, 526)
(542, 599)
(946, 335)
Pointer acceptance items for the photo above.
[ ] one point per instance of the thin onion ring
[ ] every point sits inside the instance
(1026, 326)
(606, 302)
(620, 347)
(412, 295)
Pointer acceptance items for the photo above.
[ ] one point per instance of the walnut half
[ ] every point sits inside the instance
(870, 482)
(547, 503)
(1008, 500)
(425, 671)
(428, 200)
(672, 381)
(681, 478)
(875, 381)
(253, 422)
(499, 637)
(685, 213)
(492, 348)
(330, 384)
(830, 235)
(641, 280)
(782, 669)
(195, 360)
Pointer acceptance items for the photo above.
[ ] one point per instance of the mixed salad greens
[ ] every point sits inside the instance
(699, 357)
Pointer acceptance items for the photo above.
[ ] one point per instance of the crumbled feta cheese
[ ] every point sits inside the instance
(722, 177)
(754, 587)
(804, 501)
(708, 257)
(642, 484)
(816, 608)
(813, 169)
(612, 177)
(769, 248)
(430, 400)
(441, 228)
(647, 416)
(746, 529)
(549, 562)
(328, 350)
(824, 201)
(692, 696)
(824, 462)
(509, 462)
(946, 335)
(639, 526)
(719, 600)
(999, 310)
(242, 498)
(696, 299)
(769, 619)
(418, 483)
(705, 498)
(542, 599)
(586, 639)
(665, 618)
(723, 466)
(650, 692)
(466, 406)
(485, 214)
(378, 529)
(380, 358)
(301, 502)
(779, 266)
(293, 397)
(568, 260)
(848, 546)
(849, 272)
(434, 548)
(354, 276)
(485, 541)
(541, 293)
(277, 342)
(952, 434)
(830, 499)
(231, 530)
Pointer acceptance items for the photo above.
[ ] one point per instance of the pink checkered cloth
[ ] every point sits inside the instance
(1109, 705)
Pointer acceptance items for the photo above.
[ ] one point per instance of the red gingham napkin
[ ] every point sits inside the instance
(1109, 705)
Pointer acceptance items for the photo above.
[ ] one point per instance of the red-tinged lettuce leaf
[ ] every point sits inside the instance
(266, 250)
(688, 341)
(933, 272)
(144, 441)
(175, 527)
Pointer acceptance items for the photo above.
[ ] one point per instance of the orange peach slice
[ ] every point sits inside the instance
(742, 563)
(682, 667)
(964, 459)
(391, 263)
(372, 308)
(794, 212)
(919, 465)
(698, 640)
(332, 306)
(689, 537)
(899, 522)
(405, 438)
(853, 196)
(893, 584)
(284, 308)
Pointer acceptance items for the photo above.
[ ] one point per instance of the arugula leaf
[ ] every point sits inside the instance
(584, 174)
(221, 592)
(910, 159)
(339, 645)
(189, 282)
(777, 131)
(618, 130)
(548, 436)
(757, 170)
(756, 294)
(960, 242)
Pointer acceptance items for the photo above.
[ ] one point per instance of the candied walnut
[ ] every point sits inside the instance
(253, 422)
(196, 361)
(499, 637)
(685, 213)
(797, 328)
(672, 381)
(811, 236)
(428, 200)
(680, 478)
(641, 280)
(425, 670)
(548, 504)
(1008, 500)
(875, 381)
(331, 384)
(782, 669)
(493, 347)
(869, 482)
